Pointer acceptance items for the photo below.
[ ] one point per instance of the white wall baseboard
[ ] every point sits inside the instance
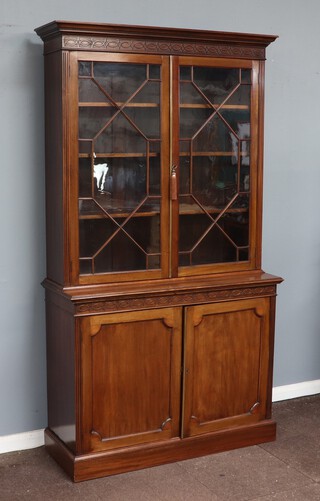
(32, 439)
(296, 390)
(21, 441)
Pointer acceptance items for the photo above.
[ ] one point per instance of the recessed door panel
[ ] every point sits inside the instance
(226, 365)
(131, 378)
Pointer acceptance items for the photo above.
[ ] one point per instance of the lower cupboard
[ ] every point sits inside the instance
(175, 372)
(166, 384)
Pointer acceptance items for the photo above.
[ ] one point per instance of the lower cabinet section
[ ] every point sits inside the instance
(156, 375)
(159, 385)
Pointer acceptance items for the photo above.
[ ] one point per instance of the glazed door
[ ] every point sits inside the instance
(226, 365)
(120, 166)
(140, 121)
(215, 164)
(130, 378)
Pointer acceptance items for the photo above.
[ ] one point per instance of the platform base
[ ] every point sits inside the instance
(95, 465)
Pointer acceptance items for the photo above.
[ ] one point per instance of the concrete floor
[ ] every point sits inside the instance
(288, 469)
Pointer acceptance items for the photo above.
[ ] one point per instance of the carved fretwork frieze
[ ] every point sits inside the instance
(111, 44)
(178, 299)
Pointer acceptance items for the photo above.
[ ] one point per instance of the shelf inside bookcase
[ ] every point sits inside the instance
(119, 155)
(98, 104)
(214, 106)
(184, 209)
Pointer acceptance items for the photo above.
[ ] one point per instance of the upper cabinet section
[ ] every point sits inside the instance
(154, 143)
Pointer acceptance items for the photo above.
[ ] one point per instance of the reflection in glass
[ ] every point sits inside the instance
(119, 80)
(92, 120)
(192, 120)
(89, 91)
(120, 136)
(216, 83)
(85, 68)
(189, 94)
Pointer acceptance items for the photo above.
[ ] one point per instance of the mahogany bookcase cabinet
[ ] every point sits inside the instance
(160, 321)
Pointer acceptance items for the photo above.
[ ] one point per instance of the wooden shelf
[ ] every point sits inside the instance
(119, 155)
(153, 155)
(211, 154)
(184, 210)
(99, 104)
(188, 209)
(214, 105)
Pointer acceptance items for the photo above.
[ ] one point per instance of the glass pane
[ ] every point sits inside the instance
(184, 175)
(216, 83)
(193, 224)
(235, 221)
(92, 120)
(145, 231)
(155, 176)
(155, 146)
(191, 121)
(185, 72)
(154, 71)
(119, 80)
(85, 266)
(245, 76)
(150, 93)
(154, 262)
(93, 234)
(189, 94)
(214, 181)
(121, 254)
(85, 146)
(244, 166)
(120, 136)
(214, 137)
(90, 92)
(84, 69)
(214, 248)
(85, 177)
(146, 120)
(236, 227)
(192, 228)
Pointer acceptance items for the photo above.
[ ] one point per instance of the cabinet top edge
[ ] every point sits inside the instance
(166, 286)
(56, 28)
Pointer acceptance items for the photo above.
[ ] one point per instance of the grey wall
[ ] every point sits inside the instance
(291, 237)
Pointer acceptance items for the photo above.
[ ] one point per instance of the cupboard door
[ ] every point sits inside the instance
(215, 151)
(130, 378)
(121, 163)
(226, 365)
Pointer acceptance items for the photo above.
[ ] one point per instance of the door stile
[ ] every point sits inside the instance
(174, 164)
(165, 160)
(71, 160)
(259, 68)
(184, 371)
(255, 177)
